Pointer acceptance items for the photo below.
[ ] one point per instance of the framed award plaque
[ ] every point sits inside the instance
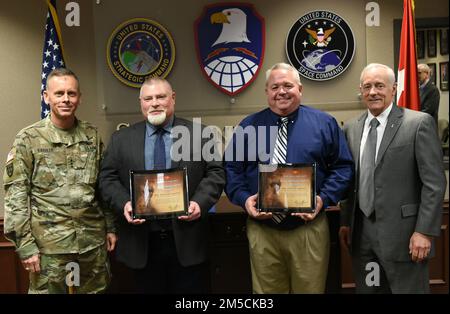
(287, 188)
(157, 194)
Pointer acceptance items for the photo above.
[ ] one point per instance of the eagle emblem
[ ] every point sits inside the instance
(229, 40)
(320, 45)
(320, 38)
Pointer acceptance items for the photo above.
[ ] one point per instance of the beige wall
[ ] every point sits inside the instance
(21, 35)
(195, 94)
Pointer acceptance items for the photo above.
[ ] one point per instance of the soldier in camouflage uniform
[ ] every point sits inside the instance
(52, 211)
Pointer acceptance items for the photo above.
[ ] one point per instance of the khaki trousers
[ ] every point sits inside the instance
(289, 261)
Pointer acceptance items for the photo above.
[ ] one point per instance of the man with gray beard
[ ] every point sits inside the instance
(167, 255)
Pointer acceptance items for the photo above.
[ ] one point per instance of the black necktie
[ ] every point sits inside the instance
(279, 157)
(160, 151)
(366, 191)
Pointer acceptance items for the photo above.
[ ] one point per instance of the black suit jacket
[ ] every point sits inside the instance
(205, 184)
(429, 100)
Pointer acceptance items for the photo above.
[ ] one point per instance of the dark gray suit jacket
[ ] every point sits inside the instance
(409, 180)
(429, 100)
(205, 184)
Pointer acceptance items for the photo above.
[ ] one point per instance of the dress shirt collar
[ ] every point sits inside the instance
(424, 83)
(151, 129)
(382, 117)
(277, 118)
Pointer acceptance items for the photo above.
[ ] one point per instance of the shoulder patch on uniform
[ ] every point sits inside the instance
(10, 169)
(11, 155)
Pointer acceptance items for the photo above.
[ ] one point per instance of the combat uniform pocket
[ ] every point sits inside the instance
(80, 160)
(85, 165)
(47, 171)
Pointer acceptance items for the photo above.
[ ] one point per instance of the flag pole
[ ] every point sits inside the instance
(52, 9)
(52, 53)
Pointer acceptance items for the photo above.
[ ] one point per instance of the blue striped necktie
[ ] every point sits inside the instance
(279, 157)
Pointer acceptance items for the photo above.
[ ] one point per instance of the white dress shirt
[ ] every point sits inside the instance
(382, 118)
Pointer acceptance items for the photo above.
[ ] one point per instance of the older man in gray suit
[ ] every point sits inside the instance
(394, 209)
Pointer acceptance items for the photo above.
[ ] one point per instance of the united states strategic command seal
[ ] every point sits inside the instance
(140, 48)
(320, 45)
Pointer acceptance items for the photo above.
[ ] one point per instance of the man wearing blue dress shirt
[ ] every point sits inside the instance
(291, 255)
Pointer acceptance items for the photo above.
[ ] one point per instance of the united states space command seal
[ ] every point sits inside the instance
(230, 43)
(320, 45)
(138, 49)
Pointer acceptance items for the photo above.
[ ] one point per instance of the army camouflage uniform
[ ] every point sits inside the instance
(51, 205)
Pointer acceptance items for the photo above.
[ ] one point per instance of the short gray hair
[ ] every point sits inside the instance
(284, 66)
(390, 72)
(153, 80)
(424, 67)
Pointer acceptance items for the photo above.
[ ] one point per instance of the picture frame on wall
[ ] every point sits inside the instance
(431, 43)
(420, 42)
(443, 41)
(432, 67)
(443, 70)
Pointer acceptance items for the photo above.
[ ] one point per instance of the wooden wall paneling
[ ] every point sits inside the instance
(13, 277)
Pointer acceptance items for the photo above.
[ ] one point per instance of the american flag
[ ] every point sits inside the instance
(52, 53)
